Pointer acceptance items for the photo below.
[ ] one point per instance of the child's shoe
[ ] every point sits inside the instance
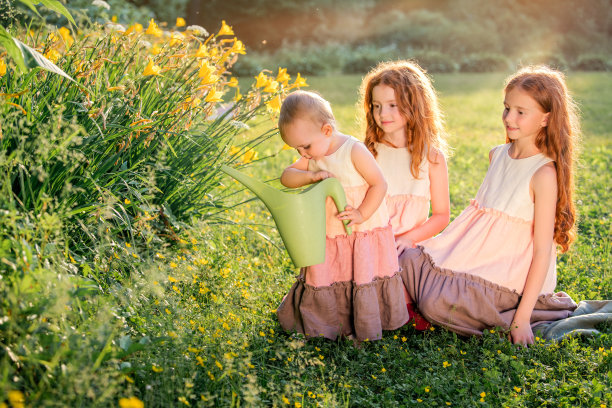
(418, 321)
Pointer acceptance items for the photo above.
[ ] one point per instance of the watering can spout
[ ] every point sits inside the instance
(300, 218)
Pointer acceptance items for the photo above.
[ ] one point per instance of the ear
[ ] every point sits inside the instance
(545, 119)
(327, 129)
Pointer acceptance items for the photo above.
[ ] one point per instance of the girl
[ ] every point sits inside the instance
(404, 131)
(494, 265)
(357, 291)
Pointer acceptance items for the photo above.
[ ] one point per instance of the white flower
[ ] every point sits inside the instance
(239, 125)
(198, 30)
(144, 43)
(115, 27)
(101, 4)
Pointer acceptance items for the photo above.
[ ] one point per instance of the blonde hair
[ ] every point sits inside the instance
(557, 140)
(305, 104)
(417, 102)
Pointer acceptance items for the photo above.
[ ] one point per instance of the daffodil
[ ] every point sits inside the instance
(262, 80)
(134, 28)
(283, 77)
(151, 69)
(274, 104)
(154, 29)
(2, 67)
(213, 96)
(238, 47)
(65, 33)
(299, 81)
(180, 22)
(225, 29)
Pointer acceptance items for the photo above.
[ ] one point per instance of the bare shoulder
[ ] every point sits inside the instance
(359, 150)
(491, 152)
(435, 157)
(545, 178)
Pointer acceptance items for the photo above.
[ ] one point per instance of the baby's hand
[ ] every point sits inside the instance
(352, 214)
(320, 175)
(402, 243)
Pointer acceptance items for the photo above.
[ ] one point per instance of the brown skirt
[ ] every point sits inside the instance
(468, 304)
(344, 308)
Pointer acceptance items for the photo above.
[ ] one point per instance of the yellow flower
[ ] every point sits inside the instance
(287, 147)
(205, 70)
(151, 69)
(483, 394)
(517, 389)
(209, 79)
(426, 389)
(238, 95)
(127, 201)
(132, 402)
(271, 87)
(134, 28)
(238, 47)
(446, 364)
(180, 22)
(2, 67)
(285, 400)
(65, 33)
(202, 51)
(299, 81)
(249, 156)
(114, 19)
(233, 82)
(156, 368)
(52, 55)
(155, 49)
(234, 150)
(183, 400)
(274, 104)
(225, 29)
(16, 398)
(383, 370)
(262, 80)
(213, 96)
(176, 39)
(153, 29)
(283, 77)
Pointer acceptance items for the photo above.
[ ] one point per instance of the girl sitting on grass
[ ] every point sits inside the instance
(494, 265)
(357, 291)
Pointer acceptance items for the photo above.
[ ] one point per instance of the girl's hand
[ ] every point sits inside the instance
(320, 175)
(521, 333)
(403, 242)
(352, 214)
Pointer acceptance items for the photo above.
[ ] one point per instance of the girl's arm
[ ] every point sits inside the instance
(544, 188)
(298, 175)
(440, 204)
(367, 167)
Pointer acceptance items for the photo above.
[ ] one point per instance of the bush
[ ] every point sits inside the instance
(553, 60)
(592, 62)
(435, 61)
(485, 63)
(365, 58)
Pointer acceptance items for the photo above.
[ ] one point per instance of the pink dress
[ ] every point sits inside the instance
(358, 289)
(471, 276)
(408, 198)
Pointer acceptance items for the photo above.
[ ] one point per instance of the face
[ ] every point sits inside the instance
(386, 111)
(523, 117)
(311, 140)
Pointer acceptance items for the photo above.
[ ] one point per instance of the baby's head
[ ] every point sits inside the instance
(305, 122)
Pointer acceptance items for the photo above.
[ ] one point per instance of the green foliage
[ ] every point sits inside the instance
(593, 62)
(435, 61)
(485, 63)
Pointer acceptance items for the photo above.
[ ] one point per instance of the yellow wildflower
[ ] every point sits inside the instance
(168, 311)
(262, 80)
(52, 55)
(114, 19)
(234, 150)
(287, 147)
(225, 29)
(517, 389)
(426, 389)
(65, 33)
(209, 79)
(154, 29)
(2, 67)
(132, 402)
(134, 28)
(299, 81)
(249, 156)
(446, 364)
(16, 398)
(238, 47)
(233, 82)
(202, 51)
(238, 95)
(155, 49)
(127, 201)
(180, 22)
(285, 400)
(274, 104)
(176, 39)
(271, 87)
(206, 70)
(151, 69)
(184, 400)
(213, 96)
(156, 368)
(483, 394)
(282, 76)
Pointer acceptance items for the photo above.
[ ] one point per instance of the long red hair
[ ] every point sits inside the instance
(417, 102)
(558, 140)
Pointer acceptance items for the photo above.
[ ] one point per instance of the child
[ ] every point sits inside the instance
(494, 265)
(404, 131)
(357, 291)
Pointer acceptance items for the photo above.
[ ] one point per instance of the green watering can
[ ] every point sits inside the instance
(300, 218)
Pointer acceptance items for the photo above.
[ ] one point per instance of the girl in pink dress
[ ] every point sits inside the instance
(494, 265)
(357, 291)
(404, 130)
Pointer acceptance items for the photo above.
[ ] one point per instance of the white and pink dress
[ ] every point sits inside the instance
(358, 289)
(408, 197)
(471, 276)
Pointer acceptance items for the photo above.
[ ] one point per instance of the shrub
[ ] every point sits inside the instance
(553, 60)
(435, 61)
(485, 63)
(592, 62)
(365, 58)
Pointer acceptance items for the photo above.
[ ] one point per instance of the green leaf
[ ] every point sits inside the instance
(31, 5)
(58, 8)
(6, 40)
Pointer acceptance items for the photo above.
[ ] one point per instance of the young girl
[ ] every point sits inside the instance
(404, 131)
(494, 265)
(357, 291)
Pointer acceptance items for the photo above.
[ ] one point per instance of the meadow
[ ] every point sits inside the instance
(180, 311)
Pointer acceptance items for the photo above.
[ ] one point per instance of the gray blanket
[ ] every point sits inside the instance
(582, 321)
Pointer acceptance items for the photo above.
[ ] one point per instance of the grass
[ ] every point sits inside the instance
(196, 326)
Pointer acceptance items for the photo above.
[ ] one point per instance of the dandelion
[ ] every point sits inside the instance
(132, 402)
(151, 69)
(171, 279)
(225, 29)
(274, 104)
(419, 400)
(153, 29)
(180, 22)
(2, 67)
(373, 376)
(129, 379)
(156, 368)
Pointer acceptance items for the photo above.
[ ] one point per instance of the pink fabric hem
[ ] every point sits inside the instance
(498, 213)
